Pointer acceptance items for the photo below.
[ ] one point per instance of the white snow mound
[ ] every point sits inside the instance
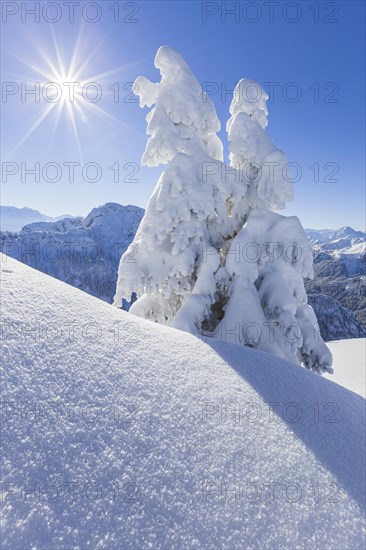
(147, 437)
(349, 363)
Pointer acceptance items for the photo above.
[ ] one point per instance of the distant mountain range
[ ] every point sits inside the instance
(340, 273)
(344, 248)
(324, 236)
(85, 253)
(14, 219)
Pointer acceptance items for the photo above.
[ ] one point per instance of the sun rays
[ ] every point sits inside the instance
(67, 88)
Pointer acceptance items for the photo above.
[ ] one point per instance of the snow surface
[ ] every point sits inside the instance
(148, 410)
(349, 363)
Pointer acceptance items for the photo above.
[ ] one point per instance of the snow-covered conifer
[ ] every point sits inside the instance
(263, 166)
(186, 218)
(191, 263)
(267, 303)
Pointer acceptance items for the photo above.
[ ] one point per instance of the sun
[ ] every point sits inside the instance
(66, 89)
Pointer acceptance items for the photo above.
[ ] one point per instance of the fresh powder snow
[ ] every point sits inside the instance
(122, 433)
(349, 360)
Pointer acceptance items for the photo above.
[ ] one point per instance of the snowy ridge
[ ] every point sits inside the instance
(329, 235)
(159, 473)
(340, 270)
(83, 252)
(345, 246)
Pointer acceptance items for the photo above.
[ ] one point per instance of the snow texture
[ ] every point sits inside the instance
(163, 440)
(349, 357)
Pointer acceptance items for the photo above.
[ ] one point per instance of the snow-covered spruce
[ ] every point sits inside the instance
(267, 307)
(187, 213)
(253, 153)
(189, 263)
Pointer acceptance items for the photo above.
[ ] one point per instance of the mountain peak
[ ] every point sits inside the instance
(348, 232)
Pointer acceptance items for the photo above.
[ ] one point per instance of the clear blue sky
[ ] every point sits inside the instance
(321, 51)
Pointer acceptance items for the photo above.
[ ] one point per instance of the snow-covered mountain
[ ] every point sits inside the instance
(83, 252)
(345, 248)
(330, 235)
(128, 434)
(340, 271)
(335, 321)
(14, 219)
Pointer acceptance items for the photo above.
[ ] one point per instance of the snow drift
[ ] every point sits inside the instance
(349, 374)
(129, 434)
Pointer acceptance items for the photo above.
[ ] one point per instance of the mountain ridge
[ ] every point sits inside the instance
(85, 252)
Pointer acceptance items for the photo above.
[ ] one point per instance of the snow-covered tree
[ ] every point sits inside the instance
(270, 256)
(183, 117)
(263, 166)
(186, 218)
(267, 304)
(191, 263)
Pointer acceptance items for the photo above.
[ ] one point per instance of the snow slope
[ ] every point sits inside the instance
(83, 252)
(147, 437)
(349, 363)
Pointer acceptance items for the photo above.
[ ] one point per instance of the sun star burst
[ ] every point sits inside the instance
(63, 85)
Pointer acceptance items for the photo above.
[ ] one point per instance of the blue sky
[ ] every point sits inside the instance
(308, 55)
